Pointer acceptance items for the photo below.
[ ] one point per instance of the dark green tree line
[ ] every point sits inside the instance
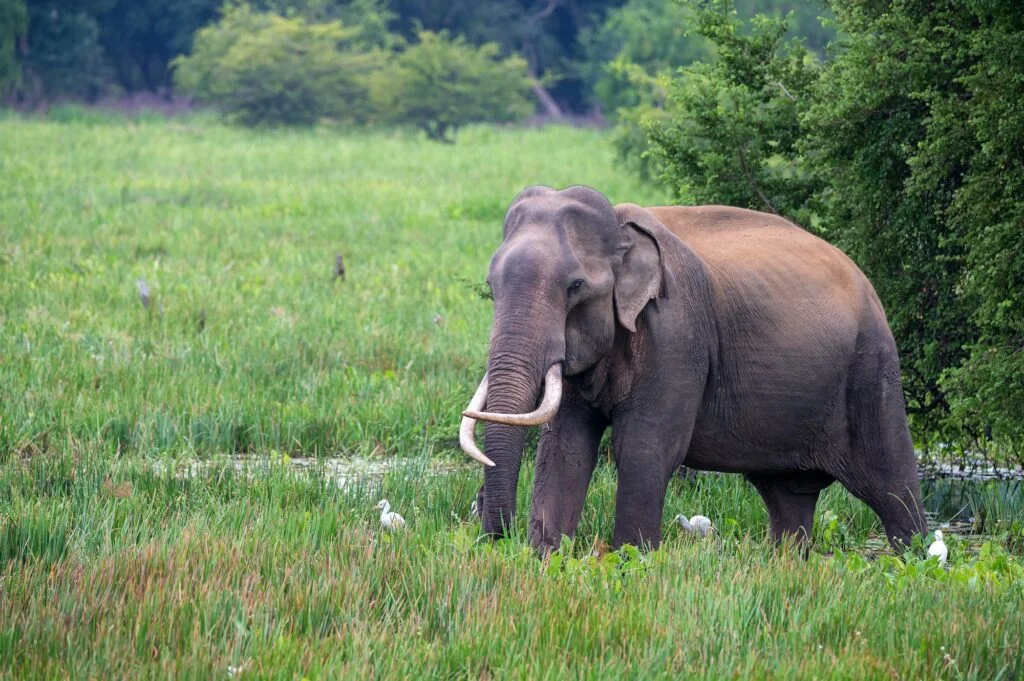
(85, 48)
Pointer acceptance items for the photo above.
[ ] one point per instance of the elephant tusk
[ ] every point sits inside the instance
(544, 413)
(467, 438)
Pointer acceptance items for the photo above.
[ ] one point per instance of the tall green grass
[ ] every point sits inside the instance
(113, 570)
(249, 343)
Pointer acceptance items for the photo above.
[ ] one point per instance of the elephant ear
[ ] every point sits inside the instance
(642, 274)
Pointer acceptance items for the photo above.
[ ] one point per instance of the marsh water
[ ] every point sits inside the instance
(346, 472)
(966, 499)
(971, 504)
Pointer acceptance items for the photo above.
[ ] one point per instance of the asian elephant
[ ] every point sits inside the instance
(720, 338)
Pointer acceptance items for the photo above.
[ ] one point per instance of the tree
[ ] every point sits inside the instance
(196, 74)
(803, 19)
(141, 37)
(13, 20)
(634, 46)
(61, 54)
(734, 130)
(264, 69)
(647, 41)
(441, 84)
(988, 208)
(545, 32)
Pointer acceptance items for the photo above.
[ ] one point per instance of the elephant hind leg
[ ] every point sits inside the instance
(894, 495)
(881, 469)
(791, 499)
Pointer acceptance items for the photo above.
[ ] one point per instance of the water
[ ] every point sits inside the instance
(973, 497)
(344, 471)
(975, 506)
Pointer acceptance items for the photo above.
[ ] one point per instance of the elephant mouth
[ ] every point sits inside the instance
(549, 404)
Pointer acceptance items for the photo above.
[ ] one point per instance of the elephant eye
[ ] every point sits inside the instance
(575, 286)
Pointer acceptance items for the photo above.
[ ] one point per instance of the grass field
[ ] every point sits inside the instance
(111, 567)
(249, 343)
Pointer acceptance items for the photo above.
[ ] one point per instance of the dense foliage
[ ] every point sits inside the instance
(266, 69)
(919, 126)
(734, 128)
(645, 41)
(86, 48)
(262, 68)
(13, 19)
(904, 149)
(544, 32)
(637, 44)
(90, 48)
(441, 84)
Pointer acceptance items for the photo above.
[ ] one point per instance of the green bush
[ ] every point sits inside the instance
(264, 69)
(628, 63)
(632, 59)
(631, 137)
(441, 84)
(919, 124)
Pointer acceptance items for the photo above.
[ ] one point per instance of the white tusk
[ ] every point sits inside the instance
(544, 413)
(467, 437)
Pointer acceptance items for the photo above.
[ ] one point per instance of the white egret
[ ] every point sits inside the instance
(938, 548)
(388, 518)
(474, 508)
(698, 524)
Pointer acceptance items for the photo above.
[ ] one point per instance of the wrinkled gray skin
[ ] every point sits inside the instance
(722, 338)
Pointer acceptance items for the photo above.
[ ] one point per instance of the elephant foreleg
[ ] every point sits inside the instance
(566, 456)
(639, 502)
(647, 454)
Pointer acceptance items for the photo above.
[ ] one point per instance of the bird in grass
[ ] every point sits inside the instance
(143, 292)
(938, 548)
(699, 525)
(474, 508)
(388, 518)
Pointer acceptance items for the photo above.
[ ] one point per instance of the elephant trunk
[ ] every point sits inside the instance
(522, 351)
(511, 389)
(515, 376)
(507, 440)
(549, 404)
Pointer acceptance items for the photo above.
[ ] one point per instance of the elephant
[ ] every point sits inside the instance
(718, 338)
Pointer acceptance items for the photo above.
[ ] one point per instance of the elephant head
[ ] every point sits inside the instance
(570, 271)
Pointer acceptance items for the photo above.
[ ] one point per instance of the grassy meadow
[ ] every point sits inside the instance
(112, 565)
(249, 343)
